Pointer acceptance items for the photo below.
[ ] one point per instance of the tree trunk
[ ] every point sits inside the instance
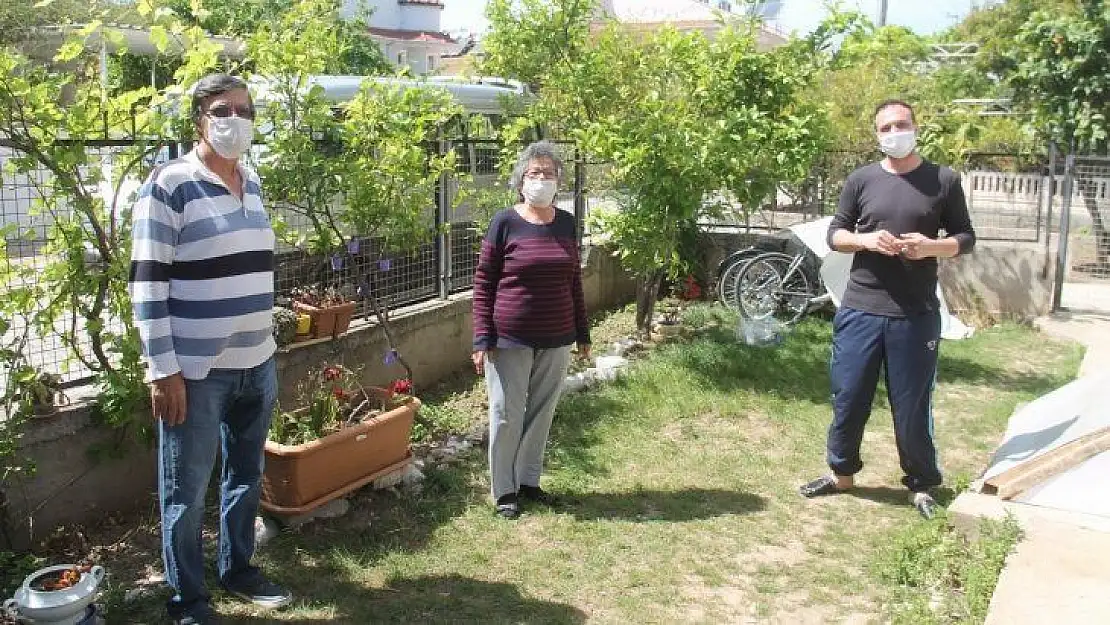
(647, 288)
(1102, 237)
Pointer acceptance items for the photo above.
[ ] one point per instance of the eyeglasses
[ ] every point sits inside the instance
(541, 174)
(226, 110)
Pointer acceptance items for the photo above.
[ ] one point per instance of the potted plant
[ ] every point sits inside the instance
(39, 392)
(344, 436)
(285, 326)
(329, 309)
(365, 194)
(669, 324)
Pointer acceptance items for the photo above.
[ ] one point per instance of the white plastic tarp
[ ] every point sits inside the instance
(835, 267)
(1071, 411)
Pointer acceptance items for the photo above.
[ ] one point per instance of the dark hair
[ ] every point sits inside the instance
(214, 85)
(894, 102)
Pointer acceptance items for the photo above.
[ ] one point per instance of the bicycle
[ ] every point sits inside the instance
(728, 268)
(774, 284)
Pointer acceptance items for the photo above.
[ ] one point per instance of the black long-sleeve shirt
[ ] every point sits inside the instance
(926, 200)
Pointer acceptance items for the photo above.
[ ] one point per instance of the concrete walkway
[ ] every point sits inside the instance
(1059, 572)
(1090, 329)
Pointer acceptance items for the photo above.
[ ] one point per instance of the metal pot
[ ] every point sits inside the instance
(55, 607)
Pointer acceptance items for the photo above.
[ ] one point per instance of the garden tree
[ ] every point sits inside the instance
(996, 27)
(682, 119)
(20, 18)
(77, 289)
(359, 54)
(361, 175)
(1063, 77)
(874, 64)
(526, 38)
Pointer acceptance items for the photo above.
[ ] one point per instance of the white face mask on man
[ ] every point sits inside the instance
(230, 137)
(898, 144)
(538, 192)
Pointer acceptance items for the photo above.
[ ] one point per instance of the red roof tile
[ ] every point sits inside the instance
(411, 35)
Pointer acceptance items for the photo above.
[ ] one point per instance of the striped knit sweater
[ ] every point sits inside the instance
(528, 285)
(202, 272)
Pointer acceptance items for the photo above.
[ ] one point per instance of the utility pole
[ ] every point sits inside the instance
(882, 13)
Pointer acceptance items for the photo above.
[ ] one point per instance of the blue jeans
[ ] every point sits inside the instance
(906, 349)
(228, 411)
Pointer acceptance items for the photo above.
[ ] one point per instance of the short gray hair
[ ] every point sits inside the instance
(539, 149)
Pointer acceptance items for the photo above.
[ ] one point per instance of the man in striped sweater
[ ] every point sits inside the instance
(202, 288)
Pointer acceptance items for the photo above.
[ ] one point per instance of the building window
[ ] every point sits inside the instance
(402, 58)
(431, 62)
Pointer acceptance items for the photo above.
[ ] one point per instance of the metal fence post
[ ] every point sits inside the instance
(1062, 242)
(442, 225)
(1049, 189)
(579, 192)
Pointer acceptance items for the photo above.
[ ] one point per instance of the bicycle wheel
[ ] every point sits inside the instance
(774, 284)
(730, 267)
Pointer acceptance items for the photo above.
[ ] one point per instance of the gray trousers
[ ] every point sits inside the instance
(524, 386)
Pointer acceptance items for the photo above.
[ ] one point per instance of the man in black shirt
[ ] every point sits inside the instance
(890, 215)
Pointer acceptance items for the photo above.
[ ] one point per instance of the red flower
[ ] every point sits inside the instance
(340, 394)
(332, 373)
(402, 387)
(691, 289)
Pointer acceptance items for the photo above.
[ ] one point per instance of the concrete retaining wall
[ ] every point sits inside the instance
(1003, 278)
(69, 487)
(1009, 279)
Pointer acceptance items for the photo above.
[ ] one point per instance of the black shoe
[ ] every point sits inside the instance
(198, 616)
(925, 504)
(824, 485)
(539, 495)
(255, 588)
(508, 507)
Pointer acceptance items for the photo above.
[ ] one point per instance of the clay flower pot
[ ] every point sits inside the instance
(327, 321)
(299, 478)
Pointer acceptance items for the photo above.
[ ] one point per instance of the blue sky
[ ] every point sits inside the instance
(923, 16)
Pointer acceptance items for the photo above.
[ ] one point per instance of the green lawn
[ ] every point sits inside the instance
(683, 478)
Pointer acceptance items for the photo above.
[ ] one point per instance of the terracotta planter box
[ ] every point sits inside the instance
(330, 321)
(299, 478)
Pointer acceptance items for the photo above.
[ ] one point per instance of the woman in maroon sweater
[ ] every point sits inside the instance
(528, 312)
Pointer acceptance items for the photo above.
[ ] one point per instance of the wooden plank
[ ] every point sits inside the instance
(1013, 482)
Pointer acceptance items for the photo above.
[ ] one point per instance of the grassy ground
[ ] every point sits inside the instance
(682, 482)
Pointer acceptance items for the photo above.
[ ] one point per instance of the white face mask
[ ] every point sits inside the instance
(538, 192)
(898, 144)
(230, 136)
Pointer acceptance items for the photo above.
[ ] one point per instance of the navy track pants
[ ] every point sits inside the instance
(906, 348)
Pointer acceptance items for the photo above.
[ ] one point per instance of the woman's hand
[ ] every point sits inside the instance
(479, 360)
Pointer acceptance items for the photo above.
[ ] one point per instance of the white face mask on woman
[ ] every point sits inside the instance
(230, 137)
(898, 144)
(538, 192)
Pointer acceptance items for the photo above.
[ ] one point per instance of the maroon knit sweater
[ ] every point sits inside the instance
(528, 285)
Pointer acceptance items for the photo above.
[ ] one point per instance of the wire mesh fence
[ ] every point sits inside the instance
(443, 265)
(1088, 238)
(29, 209)
(1007, 195)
